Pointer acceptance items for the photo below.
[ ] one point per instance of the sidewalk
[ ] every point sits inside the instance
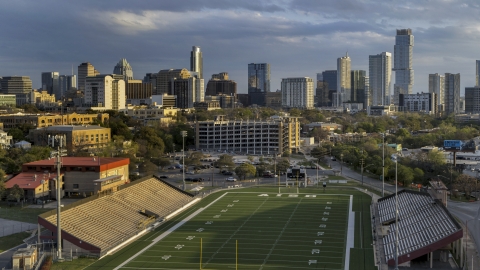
(472, 253)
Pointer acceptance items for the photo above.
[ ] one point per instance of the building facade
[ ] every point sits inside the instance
(136, 89)
(402, 63)
(84, 70)
(344, 92)
(420, 102)
(379, 71)
(46, 120)
(164, 77)
(297, 92)
(321, 94)
(51, 83)
(220, 84)
(273, 99)
(258, 82)
(42, 99)
(104, 92)
(123, 68)
(20, 86)
(66, 83)
(6, 141)
(477, 73)
(472, 100)
(452, 93)
(196, 61)
(357, 86)
(187, 91)
(8, 100)
(436, 84)
(277, 135)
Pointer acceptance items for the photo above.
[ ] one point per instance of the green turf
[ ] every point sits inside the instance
(12, 240)
(272, 232)
(18, 213)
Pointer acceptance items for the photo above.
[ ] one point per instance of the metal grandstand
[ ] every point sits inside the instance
(106, 221)
(425, 225)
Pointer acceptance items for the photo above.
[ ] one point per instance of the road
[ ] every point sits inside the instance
(468, 212)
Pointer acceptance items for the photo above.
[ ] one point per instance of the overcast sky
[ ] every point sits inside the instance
(297, 37)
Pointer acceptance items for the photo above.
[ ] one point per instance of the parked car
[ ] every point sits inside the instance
(163, 176)
(199, 179)
(188, 179)
(227, 173)
(231, 179)
(190, 172)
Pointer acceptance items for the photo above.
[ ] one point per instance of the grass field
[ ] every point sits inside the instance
(308, 231)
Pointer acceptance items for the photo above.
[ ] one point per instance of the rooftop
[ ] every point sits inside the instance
(78, 161)
(71, 128)
(29, 180)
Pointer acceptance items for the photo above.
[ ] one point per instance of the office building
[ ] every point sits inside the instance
(357, 85)
(452, 93)
(105, 92)
(258, 82)
(472, 100)
(84, 70)
(319, 76)
(273, 99)
(164, 77)
(50, 83)
(343, 80)
(367, 100)
(165, 100)
(196, 61)
(123, 68)
(420, 102)
(379, 71)
(321, 94)
(188, 91)
(136, 89)
(402, 63)
(20, 86)
(66, 83)
(297, 92)
(42, 99)
(330, 77)
(276, 135)
(220, 84)
(436, 84)
(477, 73)
(45, 120)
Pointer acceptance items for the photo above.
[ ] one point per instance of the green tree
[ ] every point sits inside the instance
(245, 170)
(17, 134)
(282, 165)
(418, 175)
(225, 161)
(163, 162)
(15, 193)
(464, 184)
(148, 167)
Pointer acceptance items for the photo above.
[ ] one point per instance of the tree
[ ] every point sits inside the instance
(225, 161)
(17, 134)
(245, 170)
(15, 193)
(250, 158)
(148, 167)
(418, 175)
(464, 184)
(163, 162)
(283, 164)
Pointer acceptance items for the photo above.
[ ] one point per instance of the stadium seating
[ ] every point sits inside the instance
(422, 221)
(109, 220)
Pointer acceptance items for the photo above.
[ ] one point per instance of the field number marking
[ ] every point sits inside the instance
(190, 237)
(315, 251)
(318, 242)
(166, 257)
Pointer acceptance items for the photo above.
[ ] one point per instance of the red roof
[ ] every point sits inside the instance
(27, 180)
(78, 161)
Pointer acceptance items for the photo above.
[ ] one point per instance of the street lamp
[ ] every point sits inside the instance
(383, 165)
(184, 134)
(363, 168)
(396, 212)
(341, 164)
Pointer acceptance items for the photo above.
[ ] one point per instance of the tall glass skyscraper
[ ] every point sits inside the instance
(402, 63)
(343, 80)
(123, 68)
(358, 86)
(258, 82)
(477, 73)
(452, 93)
(50, 83)
(379, 70)
(196, 61)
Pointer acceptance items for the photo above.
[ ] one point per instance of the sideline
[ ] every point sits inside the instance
(350, 234)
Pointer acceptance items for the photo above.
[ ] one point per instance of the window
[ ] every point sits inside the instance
(75, 185)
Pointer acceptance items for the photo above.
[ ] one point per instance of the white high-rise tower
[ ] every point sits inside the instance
(402, 63)
(196, 61)
(343, 80)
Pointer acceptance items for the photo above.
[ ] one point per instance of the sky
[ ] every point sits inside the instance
(299, 38)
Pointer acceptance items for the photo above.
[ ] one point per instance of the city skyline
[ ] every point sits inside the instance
(297, 38)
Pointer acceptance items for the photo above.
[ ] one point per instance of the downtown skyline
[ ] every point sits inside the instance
(297, 38)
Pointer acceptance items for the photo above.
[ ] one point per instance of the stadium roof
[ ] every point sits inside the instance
(424, 225)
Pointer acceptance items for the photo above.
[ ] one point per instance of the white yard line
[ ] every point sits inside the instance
(166, 233)
(350, 234)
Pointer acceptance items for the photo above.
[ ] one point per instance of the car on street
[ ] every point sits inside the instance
(231, 179)
(199, 179)
(163, 176)
(190, 172)
(227, 173)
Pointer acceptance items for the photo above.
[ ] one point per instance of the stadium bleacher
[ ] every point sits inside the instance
(101, 222)
(424, 225)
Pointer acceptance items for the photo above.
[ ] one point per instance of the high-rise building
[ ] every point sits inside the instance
(402, 64)
(220, 84)
(84, 70)
(419, 102)
(196, 61)
(472, 99)
(188, 91)
(452, 93)
(320, 77)
(297, 92)
(330, 77)
(477, 73)
(136, 89)
(66, 83)
(379, 71)
(321, 94)
(104, 92)
(436, 84)
(343, 80)
(51, 84)
(357, 86)
(20, 86)
(258, 82)
(367, 100)
(123, 68)
(164, 77)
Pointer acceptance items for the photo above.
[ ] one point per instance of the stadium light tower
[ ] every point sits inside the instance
(383, 165)
(184, 134)
(396, 212)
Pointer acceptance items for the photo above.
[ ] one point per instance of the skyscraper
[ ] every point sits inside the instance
(104, 92)
(165, 76)
(84, 70)
(477, 73)
(66, 82)
(436, 84)
(357, 87)
(50, 83)
(220, 84)
(196, 61)
(123, 68)
(402, 64)
(379, 69)
(20, 86)
(297, 92)
(472, 99)
(343, 80)
(258, 82)
(452, 93)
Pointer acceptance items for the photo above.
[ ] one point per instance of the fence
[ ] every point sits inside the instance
(16, 227)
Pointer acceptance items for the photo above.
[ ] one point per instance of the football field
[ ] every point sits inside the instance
(254, 230)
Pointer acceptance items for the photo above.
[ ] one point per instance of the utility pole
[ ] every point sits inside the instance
(361, 163)
(341, 164)
(184, 134)
(383, 166)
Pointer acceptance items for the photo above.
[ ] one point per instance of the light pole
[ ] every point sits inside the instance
(184, 134)
(341, 164)
(363, 168)
(383, 165)
(396, 212)
(60, 140)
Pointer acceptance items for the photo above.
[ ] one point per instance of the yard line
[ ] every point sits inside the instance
(239, 228)
(280, 235)
(350, 234)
